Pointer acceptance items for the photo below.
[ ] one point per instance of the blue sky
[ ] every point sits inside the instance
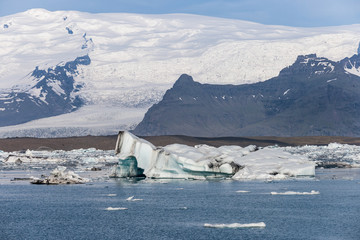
(303, 13)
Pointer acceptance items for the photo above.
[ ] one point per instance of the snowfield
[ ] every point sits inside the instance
(135, 58)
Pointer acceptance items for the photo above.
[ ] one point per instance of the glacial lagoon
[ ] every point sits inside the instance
(324, 206)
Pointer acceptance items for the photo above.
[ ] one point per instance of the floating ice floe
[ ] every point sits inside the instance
(60, 176)
(313, 192)
(236, 225)
(132, 199)
(139, 157)
(115, 209)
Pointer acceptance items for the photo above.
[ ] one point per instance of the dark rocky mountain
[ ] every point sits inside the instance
(53, 92)
(313, 97)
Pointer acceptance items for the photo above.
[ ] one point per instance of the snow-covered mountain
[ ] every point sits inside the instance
(314, 96)
(134, 58)
(53, 92)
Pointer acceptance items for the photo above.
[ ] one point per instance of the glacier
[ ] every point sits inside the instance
(138, 156)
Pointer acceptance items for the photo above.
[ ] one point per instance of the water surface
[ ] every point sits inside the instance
(175, 209)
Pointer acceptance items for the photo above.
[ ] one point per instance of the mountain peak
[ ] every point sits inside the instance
(310, 59)
(184, 80)
(304, 59)
(309, 65)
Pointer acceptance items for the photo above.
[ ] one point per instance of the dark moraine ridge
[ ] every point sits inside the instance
(108, 142)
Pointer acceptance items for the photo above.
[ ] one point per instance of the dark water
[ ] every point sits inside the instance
(78, 211)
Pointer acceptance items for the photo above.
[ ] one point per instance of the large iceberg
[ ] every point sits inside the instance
(140, 157)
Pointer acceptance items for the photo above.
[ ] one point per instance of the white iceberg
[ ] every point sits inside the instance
(115, 209)
(132, 199)
(202, 161)
(274, 163)
(236, 225)
(60, 176)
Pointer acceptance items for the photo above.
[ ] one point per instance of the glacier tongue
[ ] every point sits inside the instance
(203, 162)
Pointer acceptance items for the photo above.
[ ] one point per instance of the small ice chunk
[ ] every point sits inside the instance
(28, 152)
(286, 92)
(313, 192)
(132, 199)
(331, 80)
(236, 225)
(115, 208)
(60, 176)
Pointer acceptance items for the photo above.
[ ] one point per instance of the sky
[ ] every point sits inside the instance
(297, 13)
